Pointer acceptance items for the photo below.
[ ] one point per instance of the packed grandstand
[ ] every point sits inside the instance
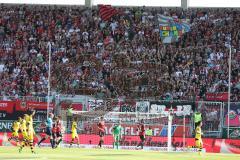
(122, 56)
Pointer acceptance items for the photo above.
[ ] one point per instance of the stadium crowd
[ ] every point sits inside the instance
(120, 57)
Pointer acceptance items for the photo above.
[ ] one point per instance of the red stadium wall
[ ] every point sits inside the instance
(210, 144)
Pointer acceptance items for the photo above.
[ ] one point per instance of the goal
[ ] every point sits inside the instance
(165, 131)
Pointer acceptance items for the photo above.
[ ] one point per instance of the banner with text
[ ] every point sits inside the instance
(217, 96)
(161, 106)
(152, 142)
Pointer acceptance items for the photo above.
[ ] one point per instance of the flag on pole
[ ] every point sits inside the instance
(164, 19)
(172, 28)
(106, 12)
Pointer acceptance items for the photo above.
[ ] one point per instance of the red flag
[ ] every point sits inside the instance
(107, 11)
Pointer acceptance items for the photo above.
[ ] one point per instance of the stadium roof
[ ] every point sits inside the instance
(160, 3)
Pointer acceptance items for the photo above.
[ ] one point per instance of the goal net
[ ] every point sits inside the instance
(165, 130)
(211, 117)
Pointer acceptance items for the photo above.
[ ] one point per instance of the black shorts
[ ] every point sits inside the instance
(59, 134)
(54, 135)
(101, 134)
(142, 137)
(49, 131)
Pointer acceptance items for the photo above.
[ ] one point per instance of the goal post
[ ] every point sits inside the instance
(170, 118)
(165, 126)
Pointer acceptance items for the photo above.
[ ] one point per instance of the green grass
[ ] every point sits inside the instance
(11, 153)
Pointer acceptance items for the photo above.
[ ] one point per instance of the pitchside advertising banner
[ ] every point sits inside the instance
(141, 106)
(11, 110)
(160, 106)
(234, 120)
(234, 133)
(156, 106)
(6, 125)
(234, 114)
(132, 129)
(151, 143)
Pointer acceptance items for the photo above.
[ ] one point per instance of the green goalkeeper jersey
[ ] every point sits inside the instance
(197, 117)
(117, 130)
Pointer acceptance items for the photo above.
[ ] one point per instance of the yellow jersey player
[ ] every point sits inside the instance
(198, 137)
(30, 132)
(23, 128)
(74, 132)
(15, 129)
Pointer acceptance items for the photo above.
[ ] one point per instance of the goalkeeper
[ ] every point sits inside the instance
(117, 134)
(198, 137)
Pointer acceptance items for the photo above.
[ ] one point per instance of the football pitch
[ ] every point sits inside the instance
(11, 153)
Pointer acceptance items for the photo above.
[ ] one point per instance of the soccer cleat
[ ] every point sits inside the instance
(33, 152)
